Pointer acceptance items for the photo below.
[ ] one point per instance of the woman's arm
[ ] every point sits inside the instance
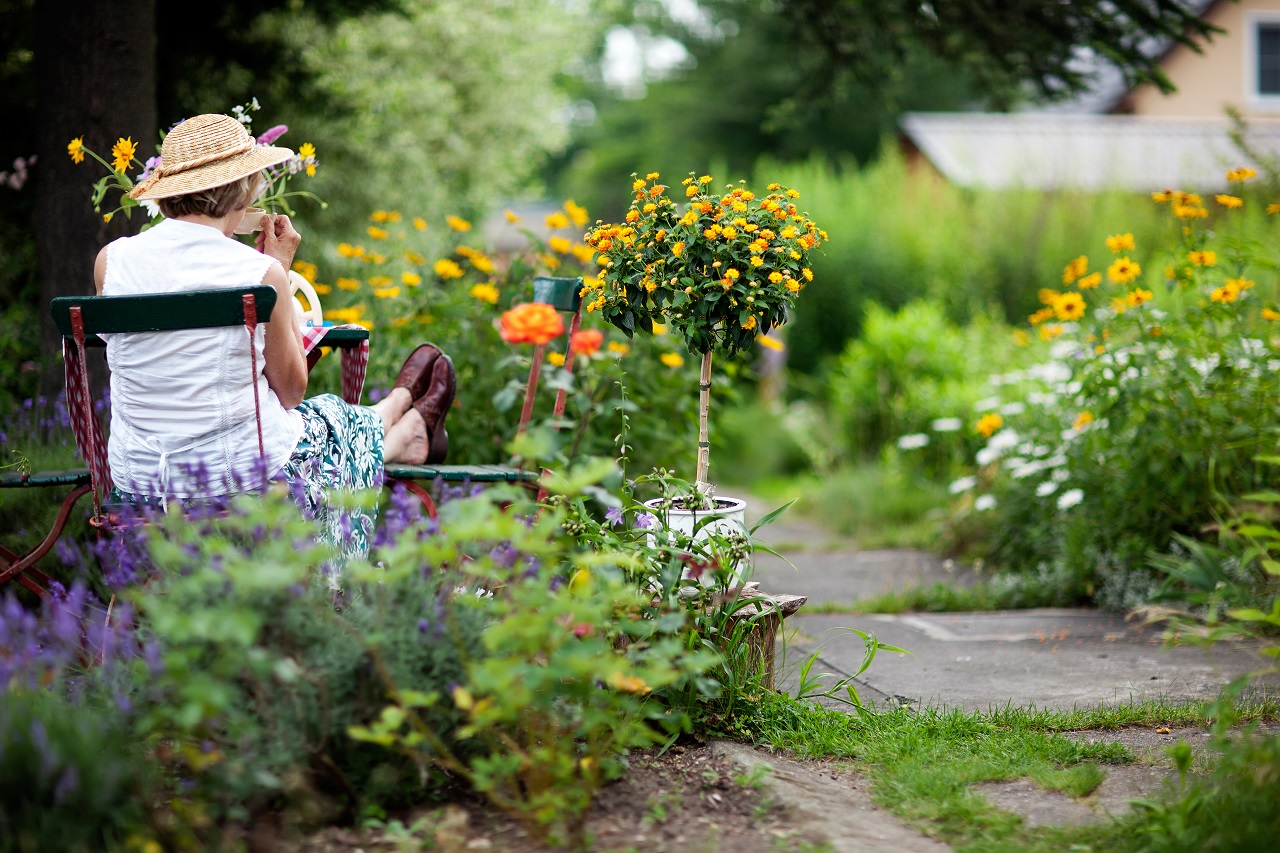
(286, 367)
(100, 269)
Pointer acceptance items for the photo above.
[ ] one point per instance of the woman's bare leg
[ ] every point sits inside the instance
(392, 407)
(408, 440)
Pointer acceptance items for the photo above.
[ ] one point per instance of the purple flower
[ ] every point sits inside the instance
(645, 521)
(67, 785)
(504, 555)
(271, 135)
(148, 168)
(614, 516)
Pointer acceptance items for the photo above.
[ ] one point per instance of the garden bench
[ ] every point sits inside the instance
(81, 318)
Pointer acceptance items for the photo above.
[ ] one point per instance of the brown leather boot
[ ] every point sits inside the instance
(416, 372)
(434, 407)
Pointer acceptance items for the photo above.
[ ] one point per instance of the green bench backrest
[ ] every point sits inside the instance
(563, 294)
(162, 312)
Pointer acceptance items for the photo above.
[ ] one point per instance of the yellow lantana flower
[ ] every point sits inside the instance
(306, 270)
(1069, 306)
(122, 153)
(770, 343)
(1123, 271)
(1225, 294)
(1138, 296)
(485, 293)
(576, 212)
(1118, 243)
(306, 150)
(988, 424)
(1075, 269)
(448, 268)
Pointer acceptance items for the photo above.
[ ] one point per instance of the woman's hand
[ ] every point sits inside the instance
(278, 239)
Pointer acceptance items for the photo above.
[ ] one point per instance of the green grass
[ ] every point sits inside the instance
(1009, 592)
(872, 506)
(922, 764)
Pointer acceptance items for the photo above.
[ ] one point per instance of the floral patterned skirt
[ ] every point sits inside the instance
(340, 451)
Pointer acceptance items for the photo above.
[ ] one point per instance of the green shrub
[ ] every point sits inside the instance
(408, 285)
(905, 378)
(1147, 413)
(899, 233)
(71, 777)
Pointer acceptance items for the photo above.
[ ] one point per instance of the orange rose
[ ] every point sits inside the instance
(586, 342)
(531, 323)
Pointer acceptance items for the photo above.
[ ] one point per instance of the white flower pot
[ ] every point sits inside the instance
(729, 516)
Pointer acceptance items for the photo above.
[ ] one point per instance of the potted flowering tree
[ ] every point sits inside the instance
(721, 268)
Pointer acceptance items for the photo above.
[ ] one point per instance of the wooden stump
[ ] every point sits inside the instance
(766, 613)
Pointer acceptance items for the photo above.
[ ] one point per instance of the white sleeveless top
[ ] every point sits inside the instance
(182, 415)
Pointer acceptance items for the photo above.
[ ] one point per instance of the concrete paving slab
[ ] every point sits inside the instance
(1055, 659)
(844, 576)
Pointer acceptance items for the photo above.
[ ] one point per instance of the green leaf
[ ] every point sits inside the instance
(772, 516)
(1249, 614)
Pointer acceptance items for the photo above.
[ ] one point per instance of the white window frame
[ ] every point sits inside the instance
(1255, 99)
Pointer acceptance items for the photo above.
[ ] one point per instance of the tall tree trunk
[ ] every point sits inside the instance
(95, 65)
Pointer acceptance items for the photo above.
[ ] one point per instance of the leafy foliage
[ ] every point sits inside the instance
(724, 271)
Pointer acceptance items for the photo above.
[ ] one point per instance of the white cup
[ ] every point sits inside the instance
(251, 221)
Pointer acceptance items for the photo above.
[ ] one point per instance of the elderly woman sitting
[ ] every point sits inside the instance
(183, 421)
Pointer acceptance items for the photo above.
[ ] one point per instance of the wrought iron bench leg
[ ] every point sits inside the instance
(16, 567)
(422, 494)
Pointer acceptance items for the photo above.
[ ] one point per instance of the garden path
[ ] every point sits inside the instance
(1047, 658)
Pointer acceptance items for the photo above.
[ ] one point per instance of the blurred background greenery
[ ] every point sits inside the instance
(443, 107)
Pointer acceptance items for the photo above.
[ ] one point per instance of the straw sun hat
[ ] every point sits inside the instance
(203, 152)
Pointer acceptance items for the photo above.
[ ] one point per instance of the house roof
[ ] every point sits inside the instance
(1050, 151)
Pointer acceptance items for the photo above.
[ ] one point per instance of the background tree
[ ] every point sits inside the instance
(1041, 44)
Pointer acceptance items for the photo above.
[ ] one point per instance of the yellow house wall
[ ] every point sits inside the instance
(1209, 82)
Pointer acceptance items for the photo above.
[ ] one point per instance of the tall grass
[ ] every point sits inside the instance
(900, 232)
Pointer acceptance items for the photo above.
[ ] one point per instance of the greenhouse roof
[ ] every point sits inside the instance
(1058, 151)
